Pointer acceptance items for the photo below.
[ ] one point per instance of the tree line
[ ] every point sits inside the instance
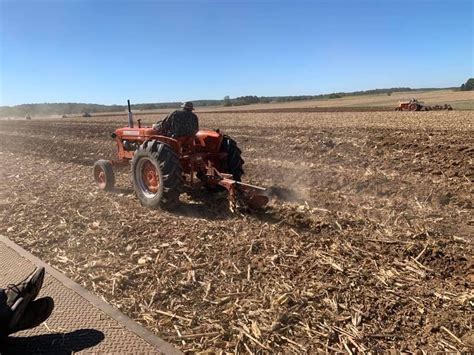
(248, 100)
(468, 85)
(71, 109)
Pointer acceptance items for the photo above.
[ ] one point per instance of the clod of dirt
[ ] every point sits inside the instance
(445, 199)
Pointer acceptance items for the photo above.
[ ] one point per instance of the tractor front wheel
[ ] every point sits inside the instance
(157, 175)
(104, 175)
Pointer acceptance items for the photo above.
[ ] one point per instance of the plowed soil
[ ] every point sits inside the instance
(369, 246)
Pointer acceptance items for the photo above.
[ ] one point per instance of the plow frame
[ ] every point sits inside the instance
(253, 196)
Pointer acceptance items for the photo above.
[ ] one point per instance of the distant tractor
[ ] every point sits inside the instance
(27, 117)
(86, 114)
(415, 105)
(410, 105)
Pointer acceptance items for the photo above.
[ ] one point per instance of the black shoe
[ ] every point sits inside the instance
(35, 313)
(21, 294)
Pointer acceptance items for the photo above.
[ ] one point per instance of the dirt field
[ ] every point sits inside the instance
(372, 249)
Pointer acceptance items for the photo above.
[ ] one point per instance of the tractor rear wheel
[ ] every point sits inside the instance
(104, 175)
(234, 162)
(413, 107)
(157, 175)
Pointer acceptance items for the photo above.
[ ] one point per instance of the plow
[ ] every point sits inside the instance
(163, 167)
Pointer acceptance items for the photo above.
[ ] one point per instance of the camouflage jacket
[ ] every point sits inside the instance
(180, 123)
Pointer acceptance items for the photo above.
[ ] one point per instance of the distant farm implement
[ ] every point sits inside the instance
(163, 166)
(415, 105)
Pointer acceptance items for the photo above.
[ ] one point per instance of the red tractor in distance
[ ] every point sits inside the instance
(162, 166)
(410, 105)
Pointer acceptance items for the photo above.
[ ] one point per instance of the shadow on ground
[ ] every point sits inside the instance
(203, 204)
(57, 343)
(214, 205)
(123, 190)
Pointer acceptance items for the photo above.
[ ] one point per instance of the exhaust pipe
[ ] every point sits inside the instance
(130, 115)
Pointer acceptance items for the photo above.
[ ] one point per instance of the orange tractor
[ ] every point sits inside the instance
(410, 105)
(162, 166)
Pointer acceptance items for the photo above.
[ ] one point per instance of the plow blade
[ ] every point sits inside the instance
(253, 196)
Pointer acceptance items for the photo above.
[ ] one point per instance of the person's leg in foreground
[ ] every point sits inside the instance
(18, 308)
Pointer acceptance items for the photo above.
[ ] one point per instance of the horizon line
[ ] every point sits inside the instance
(270, 96)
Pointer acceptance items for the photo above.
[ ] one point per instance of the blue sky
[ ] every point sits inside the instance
(155, 51)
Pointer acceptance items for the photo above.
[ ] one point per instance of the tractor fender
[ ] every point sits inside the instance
(172, 143)
(209, 140)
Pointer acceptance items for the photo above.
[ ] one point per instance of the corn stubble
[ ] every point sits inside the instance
(369, 246)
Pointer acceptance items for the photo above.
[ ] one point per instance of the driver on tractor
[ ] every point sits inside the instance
(179, 123)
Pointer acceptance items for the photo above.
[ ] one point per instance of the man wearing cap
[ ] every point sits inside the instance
(179, 123)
